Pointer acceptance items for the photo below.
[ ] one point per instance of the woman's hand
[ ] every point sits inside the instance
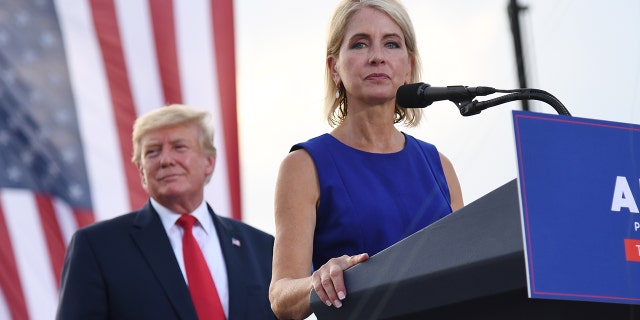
(328, 281)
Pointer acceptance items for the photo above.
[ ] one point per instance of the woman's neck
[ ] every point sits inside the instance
(371, 135)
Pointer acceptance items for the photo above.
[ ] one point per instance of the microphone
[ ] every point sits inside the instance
(420, 95)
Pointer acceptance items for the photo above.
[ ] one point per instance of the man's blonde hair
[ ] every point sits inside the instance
(169, 116)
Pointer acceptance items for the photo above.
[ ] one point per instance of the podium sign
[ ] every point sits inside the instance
(579, 185)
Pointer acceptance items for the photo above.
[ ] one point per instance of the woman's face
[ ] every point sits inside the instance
(373, 60)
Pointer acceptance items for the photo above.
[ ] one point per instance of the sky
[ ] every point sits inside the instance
(585, 53)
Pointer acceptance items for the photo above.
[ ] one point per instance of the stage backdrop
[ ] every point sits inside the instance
(74, 75)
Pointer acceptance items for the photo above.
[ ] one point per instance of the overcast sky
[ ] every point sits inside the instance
(586, 53)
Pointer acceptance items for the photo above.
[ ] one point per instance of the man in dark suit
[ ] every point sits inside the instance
(132, 266)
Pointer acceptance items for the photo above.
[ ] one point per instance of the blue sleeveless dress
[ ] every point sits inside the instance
(369, 201)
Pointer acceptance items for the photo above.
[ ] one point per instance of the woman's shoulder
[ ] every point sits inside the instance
(427, 146)
(313, 142)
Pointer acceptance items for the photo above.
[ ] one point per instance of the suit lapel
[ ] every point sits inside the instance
(151, 238)
(231, 244)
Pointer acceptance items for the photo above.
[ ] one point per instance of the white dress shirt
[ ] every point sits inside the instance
(205, 233)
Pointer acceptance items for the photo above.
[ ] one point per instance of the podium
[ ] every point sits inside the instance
(468, 265)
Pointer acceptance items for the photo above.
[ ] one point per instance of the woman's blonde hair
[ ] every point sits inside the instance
(336, 104)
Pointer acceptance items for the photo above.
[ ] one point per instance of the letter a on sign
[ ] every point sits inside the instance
(622, 196)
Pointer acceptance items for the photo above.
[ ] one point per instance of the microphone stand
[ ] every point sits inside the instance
(468, 107)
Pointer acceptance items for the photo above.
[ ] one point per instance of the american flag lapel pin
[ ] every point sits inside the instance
(235, 242)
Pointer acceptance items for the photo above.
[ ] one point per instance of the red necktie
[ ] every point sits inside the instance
(201, 286)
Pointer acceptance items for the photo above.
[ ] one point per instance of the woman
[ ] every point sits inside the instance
(343, 196)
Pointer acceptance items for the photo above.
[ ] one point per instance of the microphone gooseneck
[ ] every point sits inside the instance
(420, 95)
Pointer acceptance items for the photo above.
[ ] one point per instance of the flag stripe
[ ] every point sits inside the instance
(52, 234)
(222, 13)
(198, 77)
(93, 106)
(31, 254)
(82, 218)
(9, 279)
(106, 24)
(136, 30)
(165, 44)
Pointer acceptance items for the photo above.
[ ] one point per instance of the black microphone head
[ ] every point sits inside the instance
(412, 95)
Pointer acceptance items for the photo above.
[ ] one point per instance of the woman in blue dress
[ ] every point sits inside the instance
(348, 194)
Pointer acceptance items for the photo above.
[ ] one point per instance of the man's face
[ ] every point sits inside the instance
(173, 167)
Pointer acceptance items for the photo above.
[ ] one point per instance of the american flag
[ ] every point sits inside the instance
(74, 75)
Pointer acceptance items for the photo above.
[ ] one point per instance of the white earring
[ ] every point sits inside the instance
(338, 94)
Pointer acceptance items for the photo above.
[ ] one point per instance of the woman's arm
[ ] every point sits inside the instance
(454, 185)
(296, 198)
(297, 192)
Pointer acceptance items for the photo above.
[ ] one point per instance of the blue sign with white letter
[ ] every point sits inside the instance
(580, 193)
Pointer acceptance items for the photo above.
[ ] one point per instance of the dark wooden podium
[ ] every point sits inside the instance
(468, 265)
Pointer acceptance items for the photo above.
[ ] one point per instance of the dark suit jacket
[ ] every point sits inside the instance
(125, 268)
